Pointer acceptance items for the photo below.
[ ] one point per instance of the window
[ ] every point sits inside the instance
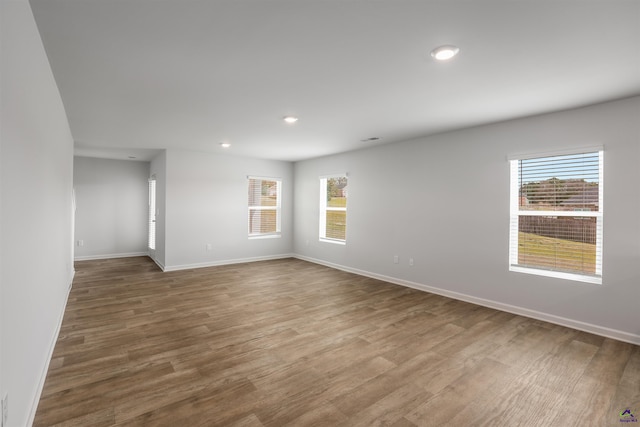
(152, 213)
(556, 216)
(264, 207)
(333, 209)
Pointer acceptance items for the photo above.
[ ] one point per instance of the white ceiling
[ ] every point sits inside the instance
(153, 74)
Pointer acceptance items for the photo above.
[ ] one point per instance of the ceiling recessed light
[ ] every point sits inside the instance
(290, 119)
(373, 138)
(225, 145)
(444, 53)
(132, 157)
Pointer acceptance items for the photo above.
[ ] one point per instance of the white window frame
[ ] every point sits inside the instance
(324, 208)
(277, 208)
(515, 213)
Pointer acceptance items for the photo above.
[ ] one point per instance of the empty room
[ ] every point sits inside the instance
(320, 213)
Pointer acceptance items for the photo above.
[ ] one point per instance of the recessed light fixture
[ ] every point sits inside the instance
(290, 119)
(225, 145)
(373, 138)
(444, 53)
(132, 157)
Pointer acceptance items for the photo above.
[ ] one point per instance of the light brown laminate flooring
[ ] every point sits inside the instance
(291, 343)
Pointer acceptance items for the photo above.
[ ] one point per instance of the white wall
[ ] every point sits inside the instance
(112, 207)
(37, 154)
(444, 201)
(206, 203)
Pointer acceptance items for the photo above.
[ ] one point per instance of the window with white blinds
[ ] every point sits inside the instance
(152, 213)
(333, 209)
(264, 206)
(556, 216)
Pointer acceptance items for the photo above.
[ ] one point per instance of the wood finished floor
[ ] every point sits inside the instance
(291, 343)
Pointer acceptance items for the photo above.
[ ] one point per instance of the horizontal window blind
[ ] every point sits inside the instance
(264, 203)
(556, 214)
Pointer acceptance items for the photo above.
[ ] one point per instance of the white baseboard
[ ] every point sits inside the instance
(52, 346)
(223, 262)
(186, 266)
(158, 263)
(521, 311)
(109, 256)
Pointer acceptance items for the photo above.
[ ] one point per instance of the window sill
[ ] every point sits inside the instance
(335, 242)
(265, 236)
(597, 280)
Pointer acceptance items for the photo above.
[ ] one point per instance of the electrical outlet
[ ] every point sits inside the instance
(396, 259)
(80, 242)
(208, 247)
(411, 262)
(5, 409)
